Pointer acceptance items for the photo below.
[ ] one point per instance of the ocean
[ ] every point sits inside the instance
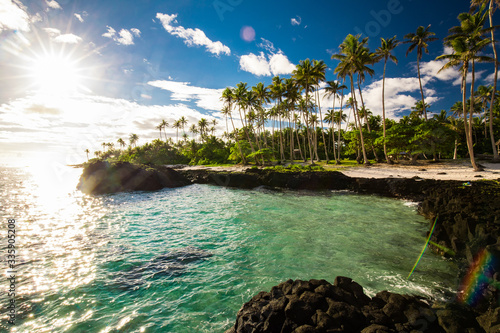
(186, 259)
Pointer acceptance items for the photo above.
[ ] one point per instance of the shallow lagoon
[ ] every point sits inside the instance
(186, 259)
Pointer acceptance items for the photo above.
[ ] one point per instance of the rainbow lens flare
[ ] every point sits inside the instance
(478, 278)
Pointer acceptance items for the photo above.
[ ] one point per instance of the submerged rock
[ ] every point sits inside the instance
(170, 264)
(318, 306)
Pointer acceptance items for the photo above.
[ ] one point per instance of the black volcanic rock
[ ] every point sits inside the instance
(314, 306)
(103, 177)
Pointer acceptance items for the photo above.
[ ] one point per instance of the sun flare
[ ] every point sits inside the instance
(55, 74)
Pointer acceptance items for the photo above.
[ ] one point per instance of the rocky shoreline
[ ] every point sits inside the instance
(468, 223)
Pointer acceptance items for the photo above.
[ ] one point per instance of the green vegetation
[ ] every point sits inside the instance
(284, 123)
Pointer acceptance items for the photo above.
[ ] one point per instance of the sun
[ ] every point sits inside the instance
(55, 74)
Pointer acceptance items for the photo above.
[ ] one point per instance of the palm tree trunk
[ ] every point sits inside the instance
(322, 132)
(455, 150)
(383, 111)
(471, 111)
(495, 56)
(298, 144)
(421, 89)
(237, 141)
(339, 148)
(292, 155)
(356, 117)
(366, 118)
(467, 126)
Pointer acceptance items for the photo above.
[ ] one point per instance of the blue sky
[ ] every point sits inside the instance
(74, 74)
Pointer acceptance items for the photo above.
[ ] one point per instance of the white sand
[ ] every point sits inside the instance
(454, 170)
(443, 171)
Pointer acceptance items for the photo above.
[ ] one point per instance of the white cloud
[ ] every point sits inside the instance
(267, 45)
(124, 37)
(53, 4)
(13, 16)
(255, 64)
(136, 32)
(68, 39)
(52, 32)
(208, 99)
(55, 35)
(296, 20)
(79, 17)
(259, 65)
(280, 64)
(36, 18)
(490, 78)
(111, 32)
(398, 95)
(432, 68)
(192, 36)
(71, 124)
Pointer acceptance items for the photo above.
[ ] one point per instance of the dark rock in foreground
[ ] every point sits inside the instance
(103, 177)
(318, 306)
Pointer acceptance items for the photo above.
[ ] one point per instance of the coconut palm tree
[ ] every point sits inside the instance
(319, 68)
(159, 127)
(385, 52)
(332, 89)
(352, 51)
(214, 124)
(418, 109)
(121, 143)
(305, 77)
(133, 139)
(456, 125)
(164, 125)
(202, 126)
(277, 90)
(183, 122)
(228, 97)
(193, 129)
(493, 5)
(420, 40)
(466, 42)
(87, 151)
(484, 96)
(177, 124)
(243, 98)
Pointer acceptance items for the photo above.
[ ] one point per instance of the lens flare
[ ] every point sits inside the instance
(478, 278)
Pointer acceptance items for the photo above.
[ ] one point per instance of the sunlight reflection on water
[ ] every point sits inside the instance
(83, 260)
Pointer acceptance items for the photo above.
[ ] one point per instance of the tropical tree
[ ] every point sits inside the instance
(418, 110)
(202, 127)
(193, 129)
(319, 71)
(159, 127)
(332, 89)
(420, 40)
(352, 51)
(121, 143)
(228, 97)
(183, 122)
(466, 42)
(493, 5)
(133, 139)
(385, 52)
(87, 151)
(177, 124)
(304, 76)
(164, 125)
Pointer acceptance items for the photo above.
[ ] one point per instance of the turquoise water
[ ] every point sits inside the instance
(186, 259)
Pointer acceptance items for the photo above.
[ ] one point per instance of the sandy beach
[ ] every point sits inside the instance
(446, 170)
